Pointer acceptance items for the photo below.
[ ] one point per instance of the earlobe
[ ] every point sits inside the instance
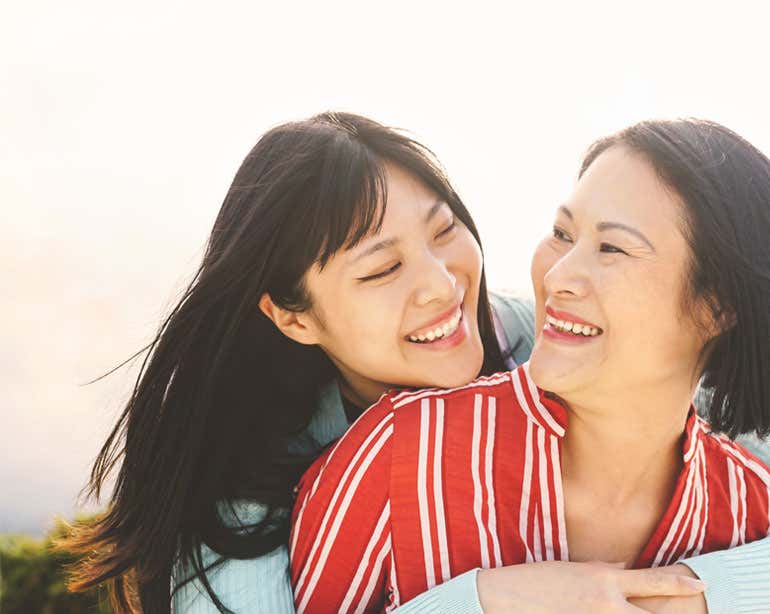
(296, 325)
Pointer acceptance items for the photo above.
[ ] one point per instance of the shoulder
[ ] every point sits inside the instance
(364, 446)
(404, 403)
(514, 314)
(517, 302)
(243, 585)
(734, 465)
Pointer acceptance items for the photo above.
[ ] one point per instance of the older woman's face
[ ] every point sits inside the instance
(609, 283)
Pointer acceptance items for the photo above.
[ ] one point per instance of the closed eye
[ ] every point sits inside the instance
(447, 230)
(381, 274)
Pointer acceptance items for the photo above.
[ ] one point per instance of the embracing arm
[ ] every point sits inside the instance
(738, 580)
(262, 585)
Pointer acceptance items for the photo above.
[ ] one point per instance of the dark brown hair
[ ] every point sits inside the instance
(221, 389)
(724, 183)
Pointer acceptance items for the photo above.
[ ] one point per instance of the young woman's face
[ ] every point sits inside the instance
(615, 266)
(399, 309)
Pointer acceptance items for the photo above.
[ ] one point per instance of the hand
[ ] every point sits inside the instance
(674, 605)
(578, 588)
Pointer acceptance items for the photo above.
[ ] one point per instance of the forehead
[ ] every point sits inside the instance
(621, 185)
(406, 193)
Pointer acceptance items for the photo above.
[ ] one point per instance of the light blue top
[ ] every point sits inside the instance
(738, 580)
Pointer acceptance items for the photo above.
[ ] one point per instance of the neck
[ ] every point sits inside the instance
(629, 448)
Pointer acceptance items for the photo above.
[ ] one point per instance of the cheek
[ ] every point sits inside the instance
(467, 255)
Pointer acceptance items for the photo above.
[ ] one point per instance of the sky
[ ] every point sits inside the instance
(121, 127)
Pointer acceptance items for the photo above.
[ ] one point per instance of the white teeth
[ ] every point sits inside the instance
(576, 329)
(440, 332)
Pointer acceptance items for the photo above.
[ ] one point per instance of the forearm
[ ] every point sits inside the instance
(738, 579)
(251, 585)
(456, 596)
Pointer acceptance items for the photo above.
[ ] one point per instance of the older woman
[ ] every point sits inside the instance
(655, 276)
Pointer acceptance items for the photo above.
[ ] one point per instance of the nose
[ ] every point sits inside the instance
(569, 275)
(435, 282)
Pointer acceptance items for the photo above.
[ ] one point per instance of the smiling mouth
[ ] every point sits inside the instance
(441, 330)
(572, 328)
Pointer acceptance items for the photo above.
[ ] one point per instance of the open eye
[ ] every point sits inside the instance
(561, 235)
(608, 248)
(381, 274)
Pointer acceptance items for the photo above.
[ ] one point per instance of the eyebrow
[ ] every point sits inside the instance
(434, 210)
(379, 246)
(614, 226)
(386, 243)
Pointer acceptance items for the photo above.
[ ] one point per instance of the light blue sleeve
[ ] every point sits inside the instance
(515, 326)
(738, 580)
(262, 585)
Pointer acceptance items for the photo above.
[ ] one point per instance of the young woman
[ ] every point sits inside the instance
(655, 276)
(304, 310)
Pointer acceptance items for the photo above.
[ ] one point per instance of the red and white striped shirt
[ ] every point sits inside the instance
(429, 484)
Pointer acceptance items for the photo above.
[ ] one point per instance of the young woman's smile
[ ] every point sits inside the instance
(400, 308)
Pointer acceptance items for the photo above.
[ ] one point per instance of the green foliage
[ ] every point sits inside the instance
(32, 578)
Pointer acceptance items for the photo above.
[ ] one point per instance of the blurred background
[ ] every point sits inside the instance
(121, 127)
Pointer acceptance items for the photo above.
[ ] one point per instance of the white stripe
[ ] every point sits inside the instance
(442, 391)
(687, 517)
(692, 471)
(489, 457)
(538, 541)
(733, 500)
(298, 523)
(695, 525)
(366, 559)
(677, 520)
(329, 541)
(374, 577)
(477, 494)
(555, 426)
(760, 471)
(497, 377)
(705, 482)
(559, 494)
(438, 492)
(545, 497)
(338, 491)
(526, 492)
(422, 493)
(521, 397)
(694, 439)
(742, 494)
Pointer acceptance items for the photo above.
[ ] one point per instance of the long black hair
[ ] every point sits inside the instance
(723, 182)
(221, 389)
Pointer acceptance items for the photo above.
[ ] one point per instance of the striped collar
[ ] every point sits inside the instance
(548, 412)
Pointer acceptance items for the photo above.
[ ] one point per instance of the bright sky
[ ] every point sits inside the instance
(122, 126)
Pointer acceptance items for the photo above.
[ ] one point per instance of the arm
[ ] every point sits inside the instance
(514, 324)
(249, 585)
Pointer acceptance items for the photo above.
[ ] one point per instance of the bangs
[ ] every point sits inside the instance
(352, 193)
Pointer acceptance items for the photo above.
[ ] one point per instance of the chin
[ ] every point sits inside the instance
(552, 372)
(465, 372)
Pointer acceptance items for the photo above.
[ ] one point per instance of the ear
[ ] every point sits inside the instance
(296, 325)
